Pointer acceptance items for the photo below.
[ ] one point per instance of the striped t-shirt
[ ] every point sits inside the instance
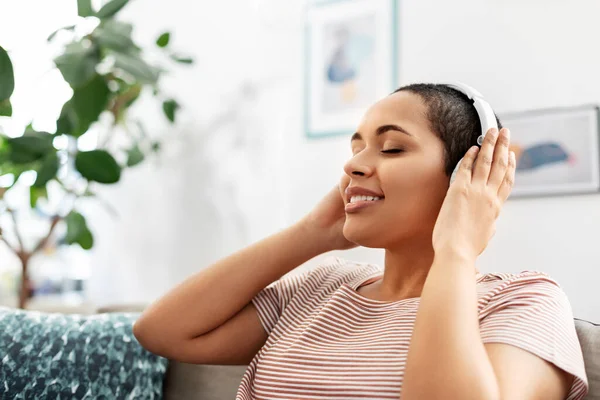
(327, 341)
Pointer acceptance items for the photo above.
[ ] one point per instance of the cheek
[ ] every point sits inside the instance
(344, 181)
(419, 187)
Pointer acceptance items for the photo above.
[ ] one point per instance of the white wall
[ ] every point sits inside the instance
(223, 181)
(520, 55)
(240, 168)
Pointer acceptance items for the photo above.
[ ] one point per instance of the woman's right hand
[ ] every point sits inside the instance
(327, 220)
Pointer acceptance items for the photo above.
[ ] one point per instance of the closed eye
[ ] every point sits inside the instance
(392, 151)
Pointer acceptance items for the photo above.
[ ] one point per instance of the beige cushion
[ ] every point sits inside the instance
(589, 337)
(206, 382)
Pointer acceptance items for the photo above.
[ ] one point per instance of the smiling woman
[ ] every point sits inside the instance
(428, 325)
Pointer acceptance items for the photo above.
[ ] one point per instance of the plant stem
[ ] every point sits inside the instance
(10, 246)
(25, 256)
(55, 220)
(24, 292)
(17, 233)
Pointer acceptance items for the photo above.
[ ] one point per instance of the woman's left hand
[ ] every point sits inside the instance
(467, 218)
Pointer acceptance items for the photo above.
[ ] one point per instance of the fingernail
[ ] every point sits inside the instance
(507, 133)
(493, 131)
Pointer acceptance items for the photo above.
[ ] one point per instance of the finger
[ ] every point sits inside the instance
(509, 178)
(500, 162)
(465, 167)
(481, 170)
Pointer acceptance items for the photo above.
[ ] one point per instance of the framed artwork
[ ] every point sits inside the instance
(350, 62)
(557, 150)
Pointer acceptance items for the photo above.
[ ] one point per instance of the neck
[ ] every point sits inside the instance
(406, 268)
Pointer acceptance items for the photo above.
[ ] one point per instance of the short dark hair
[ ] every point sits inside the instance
(452, 117)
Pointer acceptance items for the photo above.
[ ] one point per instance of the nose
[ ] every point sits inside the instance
(358, 166)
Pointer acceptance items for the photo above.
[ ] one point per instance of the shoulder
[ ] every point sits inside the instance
(523, 276)
(525, 289)
(526, 282)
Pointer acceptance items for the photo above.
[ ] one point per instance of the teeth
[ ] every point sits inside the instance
(354, 199)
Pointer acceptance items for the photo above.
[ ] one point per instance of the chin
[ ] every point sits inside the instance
(370, 238)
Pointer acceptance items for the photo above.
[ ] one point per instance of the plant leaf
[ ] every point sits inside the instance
(67, 121)
(7, 78)
(78, 231)
(75, 226)
(78, 63)
(30, 147)
(66, 28)
(163, 40)
(36, 193)
(115, 35)
(15, 170)
(84, 8)
(88, 103)
(111, 8)
(170, 107)
(182, 59)
(156, 146)
(47, 170)
(8, 167)
(4, 151)
(136, 67)
(98, 166)
(86, 240)
(5, 108)
(134, 156)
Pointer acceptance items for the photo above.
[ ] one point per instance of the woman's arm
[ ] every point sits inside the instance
(446, 357)
(215, 294)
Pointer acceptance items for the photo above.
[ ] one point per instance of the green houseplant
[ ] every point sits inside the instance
(107, 72)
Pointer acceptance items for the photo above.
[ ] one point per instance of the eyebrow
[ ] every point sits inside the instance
(381, 130)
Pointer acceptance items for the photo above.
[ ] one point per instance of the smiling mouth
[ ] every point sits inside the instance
(361, 204)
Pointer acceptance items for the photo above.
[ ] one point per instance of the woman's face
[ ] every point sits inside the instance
(411, 177)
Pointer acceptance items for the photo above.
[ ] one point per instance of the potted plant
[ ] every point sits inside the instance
(107, 72)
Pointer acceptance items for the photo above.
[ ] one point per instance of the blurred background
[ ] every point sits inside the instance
(156, 138)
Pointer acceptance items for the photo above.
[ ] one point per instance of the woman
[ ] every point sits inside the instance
(429, 326)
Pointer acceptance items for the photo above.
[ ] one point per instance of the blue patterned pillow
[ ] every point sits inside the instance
(62, 356)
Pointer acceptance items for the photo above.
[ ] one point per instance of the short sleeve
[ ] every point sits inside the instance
(272, 300)
(533, 313)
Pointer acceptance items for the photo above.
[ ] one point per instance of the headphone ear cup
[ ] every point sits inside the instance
(455, 172)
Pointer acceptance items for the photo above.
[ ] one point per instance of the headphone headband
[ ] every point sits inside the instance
(484, 110)
(487, 118)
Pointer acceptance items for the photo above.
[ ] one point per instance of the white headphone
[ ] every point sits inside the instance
(484, 110)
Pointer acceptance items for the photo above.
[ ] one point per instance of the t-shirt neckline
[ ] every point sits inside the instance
(354, 285)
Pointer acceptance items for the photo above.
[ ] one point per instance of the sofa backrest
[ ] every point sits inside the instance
(206, 382)
(589, 337)
(218, 382)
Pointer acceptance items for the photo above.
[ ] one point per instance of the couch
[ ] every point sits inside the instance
(219, 382)
(181, 381)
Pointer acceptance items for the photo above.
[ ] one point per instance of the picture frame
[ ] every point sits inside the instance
(557, 150)
(351, 58)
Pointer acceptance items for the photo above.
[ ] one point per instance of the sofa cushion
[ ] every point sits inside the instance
(44, 355)
(215, 382)
(589, 337)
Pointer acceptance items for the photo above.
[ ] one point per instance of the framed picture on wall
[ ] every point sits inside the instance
(350, 62)
(557, 150)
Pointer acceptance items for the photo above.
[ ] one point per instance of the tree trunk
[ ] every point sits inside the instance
(25, 291)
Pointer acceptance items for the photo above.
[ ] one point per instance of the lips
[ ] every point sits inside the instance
(361, 204)
(360, 191)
